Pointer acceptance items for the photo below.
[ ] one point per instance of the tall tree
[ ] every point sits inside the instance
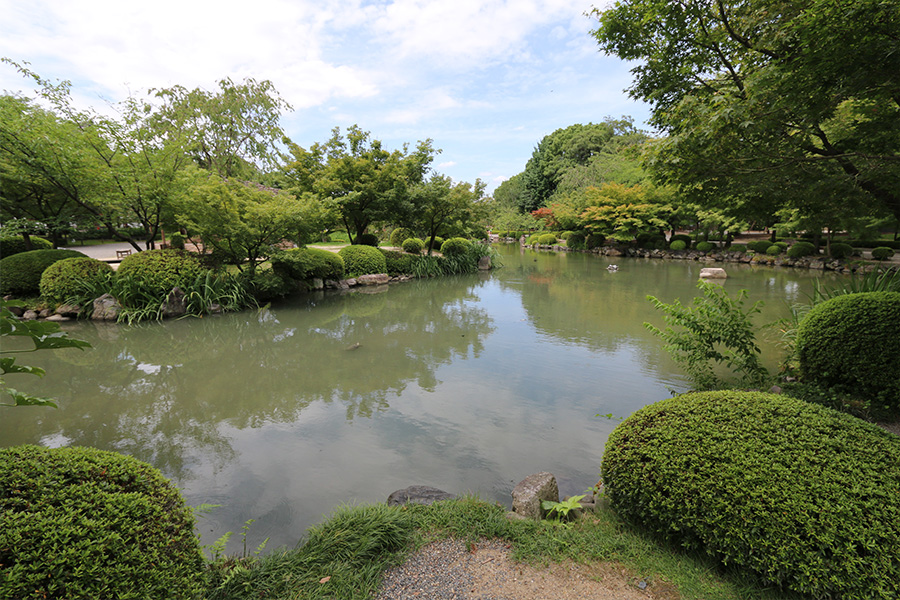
(438, 204)
(761, 96)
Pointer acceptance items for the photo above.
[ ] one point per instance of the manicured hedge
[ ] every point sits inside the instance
(774, 250)
(399, 263)
(547, 239)
(759, 246)
(158, 271)
(16, 244)
(684, 238)
(69, 277)
(594, 240)
(85, 523)
(368, 239)
(839, 250)
(852, 342)
(705, 246)
(677, 245)
(21, 273)
(801, 249)
(576, 240)
(362, 260)
(399, 235)
(413, 245)
(882, 253)
(304, 264)
(457, 246)
(802, 496)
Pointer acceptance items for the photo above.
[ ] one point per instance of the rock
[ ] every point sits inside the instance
(215, 309)
(46, 312)
(174, 305)
(350, 282)
(531, 491)
(30, 315)
(511, 516)
(17, 311)
(484, 263)
(106, 308)
(58, 318)
(713, 273)
(317, 284)
(775, 389)
(418, 494)
(373, 279)
(68, 310)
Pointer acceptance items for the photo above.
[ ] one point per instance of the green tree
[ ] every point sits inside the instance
(440, 207)
(760, 98)
(358, 178)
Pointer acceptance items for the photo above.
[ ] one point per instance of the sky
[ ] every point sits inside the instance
(484, 79)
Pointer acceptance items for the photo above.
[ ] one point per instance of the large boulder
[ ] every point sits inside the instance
(418, 494)
(106, 308)
(373, 279)
(175, 304)
(531, 492)
(713, 273)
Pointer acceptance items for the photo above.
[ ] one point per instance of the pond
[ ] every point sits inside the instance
(468, 384)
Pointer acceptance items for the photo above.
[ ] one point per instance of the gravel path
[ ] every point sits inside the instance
(448, 570)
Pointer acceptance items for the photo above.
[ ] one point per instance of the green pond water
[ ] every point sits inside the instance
(468, 384)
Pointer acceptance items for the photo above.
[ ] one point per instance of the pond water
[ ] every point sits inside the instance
(468, 384)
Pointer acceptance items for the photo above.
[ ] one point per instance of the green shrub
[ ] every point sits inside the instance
(400, 235)
(362, 260)
(839, 250)
(737, 248)
(156, 272)
(801, 249)
(882, 253)
(851, 342)
(759, 246)
(594, 240)
(783, 245)
(677, 245)
(893, 244)
(265, 285)
(399, 263)
(367, 239)
(705, 246)
(455, 247)
(533, 239)
(438, 242)
(565, 235)
(547, 239)
(576, 240)
(67, 278)
(684, 238)
(303, 264)
(16, 244)
(802, 496)
(21, 273)
(413, 245)
(85, 523)
(774, 250)
(176, 240)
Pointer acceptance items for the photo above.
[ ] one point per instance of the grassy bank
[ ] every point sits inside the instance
(346, 556)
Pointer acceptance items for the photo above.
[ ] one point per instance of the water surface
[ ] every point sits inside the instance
(468, 384)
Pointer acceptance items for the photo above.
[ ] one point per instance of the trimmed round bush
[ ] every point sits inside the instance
(705, 246)
(565, 235)
(362, 260)
(399, 263)
(677, 245)
(882, 253)
(799, 494)
(15, 244)
(69, 277)
(547, 239)
(400, 235)
(85, 523)
(368, 239)
(801, 249)
(456, 247)
(158, 271)
(304, 264)
(851, 342)
(21, 273)
(594, 240)
(760, 246)
(533, 239)
(684, 238)
(413, 245)
(576, 240)
(840, 250)
(737, 248)
(774, 250)
(176, 240)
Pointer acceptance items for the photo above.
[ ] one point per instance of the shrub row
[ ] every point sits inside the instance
(16, 244)
(303, 264)
(362, 260)
(802, 496)
(158, 271)
(67, 278)
(22, 272)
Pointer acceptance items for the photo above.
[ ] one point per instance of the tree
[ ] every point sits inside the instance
(358, 177)
(763, 97)
(240, 221)
(622, 212)
(439, 203)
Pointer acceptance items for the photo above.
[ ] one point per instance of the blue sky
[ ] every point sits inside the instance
(486, 80)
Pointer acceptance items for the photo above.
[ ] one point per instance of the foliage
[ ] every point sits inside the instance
(367, 239)
(882, 253)
(399, 263)
(85, 523)
(839, 250)
(44, 335)
(595, 240)
(22, 272)
(690, 470)
(705, 246)
(400, 235)
(65, 278)
(16, 244)
(564, 509)
(362, 260)
(577, 240)
(304, 264)
(677, 245)
(774, 250)
(850, 342)
(176, 240)
(760, 246)
(413, 245)
(265, 285)
(439, 206)
(156, 272)
(547, 239)
(801, 249)
(455, 247)
(715, 330)
(622, 213)
(737, 248)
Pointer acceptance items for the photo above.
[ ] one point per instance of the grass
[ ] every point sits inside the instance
(346, 556)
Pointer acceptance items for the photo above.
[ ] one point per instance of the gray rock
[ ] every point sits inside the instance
(418, 494)
(174, 305)
(46, 312)
(317, 284)
(58, 318)
(106, 308)
(68, 310)
(30, 315)
(215, 309)
(484, 263)
(531, 491)
(713, 273)
(17, 311)
(373, 279)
